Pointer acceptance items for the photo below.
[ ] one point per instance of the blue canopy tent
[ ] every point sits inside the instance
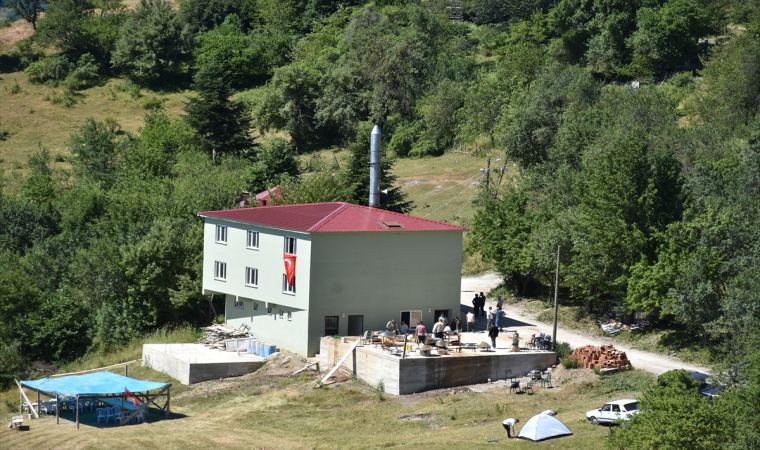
(101, 385)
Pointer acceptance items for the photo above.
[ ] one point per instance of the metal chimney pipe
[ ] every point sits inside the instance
(374, 168)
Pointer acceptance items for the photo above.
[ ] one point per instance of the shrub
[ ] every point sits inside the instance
(152, 103)
(86, 74)
(563, 350)
(15, 89)
(570, 363)
(49, 70)
(130, 88)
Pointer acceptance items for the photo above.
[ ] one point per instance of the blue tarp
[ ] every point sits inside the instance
(92, 384)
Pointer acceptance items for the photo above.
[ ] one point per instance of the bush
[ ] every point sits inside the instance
(15, 89)
(563, 350)
(130, 88)
(570, 363)
(49, 70)
(86, 74)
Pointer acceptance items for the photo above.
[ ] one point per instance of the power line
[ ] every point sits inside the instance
(452, 199)
(466, 203)
(450, 187)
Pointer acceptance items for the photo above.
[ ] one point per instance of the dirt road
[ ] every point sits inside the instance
(526, 325)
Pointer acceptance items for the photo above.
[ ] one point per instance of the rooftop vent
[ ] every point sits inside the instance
(392, 224)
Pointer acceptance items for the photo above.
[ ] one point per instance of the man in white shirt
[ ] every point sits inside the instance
(510, 424)
(403, 328)
(548, 412)
(438, 330)
(470, 321)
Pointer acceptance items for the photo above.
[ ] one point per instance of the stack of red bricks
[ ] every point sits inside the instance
(603, 357)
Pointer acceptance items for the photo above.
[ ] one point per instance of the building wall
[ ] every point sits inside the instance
(378, 275)
(268, 259)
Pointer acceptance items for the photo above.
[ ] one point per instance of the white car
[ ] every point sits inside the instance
(614, 411)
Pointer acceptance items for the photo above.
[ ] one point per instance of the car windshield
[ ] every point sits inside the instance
(633, 406)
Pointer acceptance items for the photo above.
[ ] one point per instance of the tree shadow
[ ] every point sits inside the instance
(9, 64)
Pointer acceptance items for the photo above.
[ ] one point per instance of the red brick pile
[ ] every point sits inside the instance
(602, 357)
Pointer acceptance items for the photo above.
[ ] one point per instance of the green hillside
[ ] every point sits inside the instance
(627, 132)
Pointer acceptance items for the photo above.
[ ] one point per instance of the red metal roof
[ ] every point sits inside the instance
(331, 218)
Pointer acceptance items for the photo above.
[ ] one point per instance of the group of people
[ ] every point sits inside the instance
(440, 328)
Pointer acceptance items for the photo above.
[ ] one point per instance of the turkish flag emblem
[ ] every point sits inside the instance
(129, 395)
(290, 268)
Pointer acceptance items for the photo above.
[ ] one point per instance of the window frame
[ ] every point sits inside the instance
(239, 304)
(248, 240)
(286, 248)
(286, 286)
(290, 315)
(269, 310)
(282, 313)
(221, 230)
(217, 266)
(255, 306)
(248, 271)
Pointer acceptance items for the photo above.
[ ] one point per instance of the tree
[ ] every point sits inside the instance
(39, 186)
(95, 153)
(153, 42)
(276, 165)
(29, 10)
(288, 102)
(669, 408)
(502, 231)
(220, 123)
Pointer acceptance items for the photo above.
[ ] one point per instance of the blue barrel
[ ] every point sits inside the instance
(263, 349)
(257, 347)
(269, 349)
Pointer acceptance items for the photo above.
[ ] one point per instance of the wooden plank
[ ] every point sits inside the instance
(144, 405)
(309, 365)
(342, 360)
(34, 410)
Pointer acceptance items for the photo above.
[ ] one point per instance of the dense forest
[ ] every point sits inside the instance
(633, 125)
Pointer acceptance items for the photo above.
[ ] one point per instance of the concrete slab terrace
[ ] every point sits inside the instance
(415, 373)
(193, 363)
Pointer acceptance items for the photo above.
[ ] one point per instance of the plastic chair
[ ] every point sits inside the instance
(508, 375)
(529, 386)
(547, 380)
(102, 414)
(116, 411)
(514, 386)
(109, 414)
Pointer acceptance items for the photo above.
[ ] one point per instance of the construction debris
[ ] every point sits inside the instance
(216, 335)
(603, 357)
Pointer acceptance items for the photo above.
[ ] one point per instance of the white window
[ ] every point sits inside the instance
(290, 245)
(282, 314)
(290, 315)
(255, 306)
(238, 303)
(221, 234)
(251, 277)
(220, 271)
(269, 310)
(288, 288)
(253, 239)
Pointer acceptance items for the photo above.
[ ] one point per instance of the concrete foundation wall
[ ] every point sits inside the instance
(417, 374)
(193, 363)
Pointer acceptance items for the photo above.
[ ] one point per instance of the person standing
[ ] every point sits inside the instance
(482, 303)
(457, 325)
(421, 331)
(391, 326)
(476, 304)
(499, 301)
(489, 318)
(498, 314)
(493, 333)
(470, 322)
(509, 424)
(438, 329)
(403, 328)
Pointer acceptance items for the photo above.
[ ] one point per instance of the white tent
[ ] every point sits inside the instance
(542, 426)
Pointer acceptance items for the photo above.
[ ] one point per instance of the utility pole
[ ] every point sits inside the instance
(556, 293)
(488, 174)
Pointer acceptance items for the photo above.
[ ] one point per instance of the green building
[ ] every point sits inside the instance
(356, 268)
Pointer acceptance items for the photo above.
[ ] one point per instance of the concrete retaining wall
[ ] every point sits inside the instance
(417, 374)
(193, 363)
